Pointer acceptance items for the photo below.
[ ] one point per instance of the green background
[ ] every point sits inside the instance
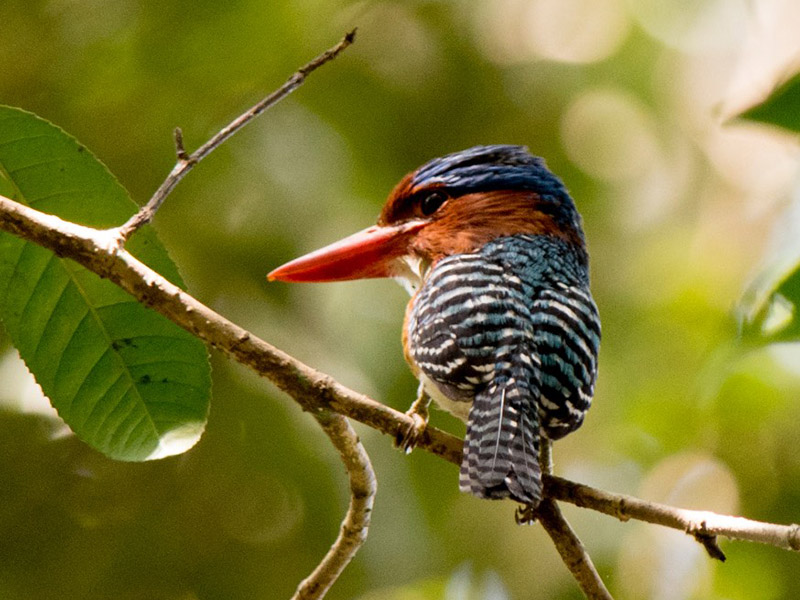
(630, 102)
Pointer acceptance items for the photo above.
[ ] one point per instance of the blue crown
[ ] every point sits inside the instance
(500, 167)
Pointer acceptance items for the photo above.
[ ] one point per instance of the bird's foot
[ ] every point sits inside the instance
(525, 514)
(407, 439)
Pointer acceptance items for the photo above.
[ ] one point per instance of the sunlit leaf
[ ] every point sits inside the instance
(126, 380)
(781, 108)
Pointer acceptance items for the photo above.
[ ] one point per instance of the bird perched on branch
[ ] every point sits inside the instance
(501, 329)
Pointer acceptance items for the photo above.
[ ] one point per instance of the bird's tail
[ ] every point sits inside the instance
(501, 449)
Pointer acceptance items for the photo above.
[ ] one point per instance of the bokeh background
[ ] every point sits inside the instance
(632, 102)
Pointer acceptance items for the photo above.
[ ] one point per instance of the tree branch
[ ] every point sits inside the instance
(697, 523)
(317, 392)
(566, 541)
(187, 161)
(354, 528)
(572, 550)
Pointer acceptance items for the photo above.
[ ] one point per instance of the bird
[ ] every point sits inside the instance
(501, 329)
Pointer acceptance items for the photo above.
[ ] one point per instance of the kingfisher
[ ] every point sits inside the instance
(501, 329)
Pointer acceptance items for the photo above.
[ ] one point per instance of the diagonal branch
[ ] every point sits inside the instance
(186, 161)
(317, 392)
(572, 550)
(353, 532)
(566, 541)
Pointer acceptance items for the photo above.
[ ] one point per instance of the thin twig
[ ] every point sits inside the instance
(546, 456)
(566, 541)
(180, 150)
(186, 162)
(354, 527)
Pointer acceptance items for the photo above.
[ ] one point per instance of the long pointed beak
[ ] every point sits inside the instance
(368, 253)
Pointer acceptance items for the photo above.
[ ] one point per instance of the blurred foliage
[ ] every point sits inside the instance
(630, 102)
(781, 108)
(769, 310)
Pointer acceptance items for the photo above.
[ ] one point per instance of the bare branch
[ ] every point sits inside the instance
(572, 551)
(354, 528)
(566, 541)
(697, 523)
(187, 162)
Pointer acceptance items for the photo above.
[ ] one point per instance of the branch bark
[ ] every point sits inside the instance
(317, 392)
(697, 523)
(573, 552)
(353, 532)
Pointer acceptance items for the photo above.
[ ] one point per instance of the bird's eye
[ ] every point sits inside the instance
(432, 202)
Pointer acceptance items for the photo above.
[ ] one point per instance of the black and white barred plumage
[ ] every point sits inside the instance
(513, 330)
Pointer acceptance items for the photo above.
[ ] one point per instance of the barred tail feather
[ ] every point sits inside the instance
(501, 450)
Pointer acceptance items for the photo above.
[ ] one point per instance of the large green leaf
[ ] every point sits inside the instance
(781, 108)
(126, 380)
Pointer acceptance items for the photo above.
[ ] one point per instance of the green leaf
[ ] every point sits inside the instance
(769, 310)
(126, 380)
(782, 108)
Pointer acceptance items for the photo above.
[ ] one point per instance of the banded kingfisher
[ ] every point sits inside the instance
(501, 329)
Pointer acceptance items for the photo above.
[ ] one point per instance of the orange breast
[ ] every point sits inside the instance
(406, 352)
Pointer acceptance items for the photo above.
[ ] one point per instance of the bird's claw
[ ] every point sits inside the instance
(525, 514)
(407, 440)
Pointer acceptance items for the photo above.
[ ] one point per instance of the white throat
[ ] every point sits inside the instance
(410, 271)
